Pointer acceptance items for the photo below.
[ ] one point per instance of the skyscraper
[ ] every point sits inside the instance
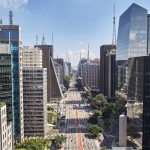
(6, 97)
(133, 69)
(132, 40)
(54, 92)
(34, 93)
(11, 34)
(59, 66)
(107, 70)
(82, 61)
(132, 33)
(6, 79)
(69, 67)
(111, 73)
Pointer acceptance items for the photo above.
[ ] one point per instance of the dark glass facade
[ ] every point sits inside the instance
(139, 90)
(133, 71)
(135, 79)
(15, 45)
(107, 70)
(148, 34)
(146, 104)
(6, 83)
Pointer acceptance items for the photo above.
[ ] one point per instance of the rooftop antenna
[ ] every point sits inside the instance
(66, 55)
(57, 55)
(36, 39)
(52, 39)
(43, 40)
(10, 17)
(114, 26)
(1, 22)
(68, 58)
(88, 57)
(80, 55)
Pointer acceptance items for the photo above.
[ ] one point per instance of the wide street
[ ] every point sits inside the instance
(76, 116)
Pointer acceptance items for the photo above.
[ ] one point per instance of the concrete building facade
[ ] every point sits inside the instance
(6, 136)
(90, 75)
(54, 92)
(34, 93)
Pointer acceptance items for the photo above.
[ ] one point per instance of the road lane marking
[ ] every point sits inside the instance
(80, 146)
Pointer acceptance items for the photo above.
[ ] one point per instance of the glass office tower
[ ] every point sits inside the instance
(132, 40)
(132, 33)
(12, 34)
(133, 67)
(6, 79)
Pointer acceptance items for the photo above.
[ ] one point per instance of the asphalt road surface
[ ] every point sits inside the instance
(75, 128)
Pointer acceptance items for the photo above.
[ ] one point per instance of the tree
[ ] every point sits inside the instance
(94, 118)
(109, 110)
(51, 117)
(97, 113)
(66, 81)
(88, 95)
(95, 130)
(99, 102)
(59, 139)
(33, 144)
(132, 131)
(49, 108)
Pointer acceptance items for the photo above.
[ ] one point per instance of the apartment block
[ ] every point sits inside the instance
(6, 142)
(34, 93)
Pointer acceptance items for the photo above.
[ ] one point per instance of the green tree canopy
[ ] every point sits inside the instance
(33, 144)
(132, 131)
(99, 102)
(66, 81)
(95, 130)
(97, 113)
(59, 139)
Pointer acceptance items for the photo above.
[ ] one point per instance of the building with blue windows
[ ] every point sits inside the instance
(132, 33)
(133, 71)
(131, 41)
(6, 79)
(11, 34)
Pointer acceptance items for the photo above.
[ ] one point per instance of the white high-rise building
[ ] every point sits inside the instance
(6, 142)
(32, 57)
(34, 93)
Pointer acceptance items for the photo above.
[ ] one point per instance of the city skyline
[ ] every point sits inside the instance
(73, 23)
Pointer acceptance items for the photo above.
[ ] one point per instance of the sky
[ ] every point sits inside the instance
(74, 23)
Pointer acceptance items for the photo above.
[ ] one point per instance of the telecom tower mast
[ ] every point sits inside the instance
(10, 17)
(114, 27)
(43, 40)
(36, 39)
(88, 55)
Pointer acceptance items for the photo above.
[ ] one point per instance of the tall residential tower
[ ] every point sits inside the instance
(34, 93)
